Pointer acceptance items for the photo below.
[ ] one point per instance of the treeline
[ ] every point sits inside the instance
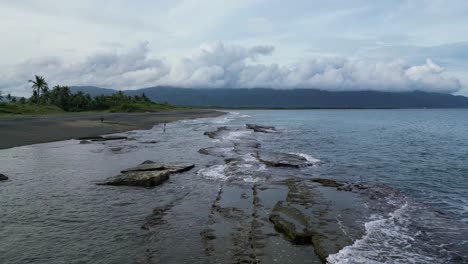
(62, 97)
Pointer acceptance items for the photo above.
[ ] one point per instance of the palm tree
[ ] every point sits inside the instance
(39, 84)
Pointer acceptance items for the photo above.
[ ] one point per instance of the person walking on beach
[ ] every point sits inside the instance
(164, 127)
(102, 119)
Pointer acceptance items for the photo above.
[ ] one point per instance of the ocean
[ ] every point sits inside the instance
(406, 173)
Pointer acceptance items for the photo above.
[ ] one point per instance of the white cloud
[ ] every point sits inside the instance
(132, 69)
(218, 65)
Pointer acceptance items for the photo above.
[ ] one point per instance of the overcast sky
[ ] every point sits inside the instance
(334, 45)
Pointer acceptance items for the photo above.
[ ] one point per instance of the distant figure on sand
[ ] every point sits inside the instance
(164, 127)
(102, 119)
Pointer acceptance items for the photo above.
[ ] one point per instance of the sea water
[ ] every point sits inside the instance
(51, 211)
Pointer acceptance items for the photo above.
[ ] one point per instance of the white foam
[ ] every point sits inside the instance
(384, 237)
(223, 120)
(251, 179)
(307, 157)
(236, 135)
(215, 172)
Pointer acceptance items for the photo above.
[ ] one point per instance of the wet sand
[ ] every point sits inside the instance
(20, 131)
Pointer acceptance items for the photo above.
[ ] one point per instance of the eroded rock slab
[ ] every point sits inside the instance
(308, 216)
(291, 222)
(147, 174)
(261, 129)
(156, 166)
(284, 160)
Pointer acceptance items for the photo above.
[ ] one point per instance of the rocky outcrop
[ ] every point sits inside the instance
(261, 129)
(85, 142)
(147, 174)
(3, 177)
(284, 160)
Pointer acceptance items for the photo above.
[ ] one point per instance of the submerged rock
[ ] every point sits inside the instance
(284, 160)
(3, 177)
(149, 142)
(261, 129)
(156, 218)
(116, 149)
(328, 182)
(147, 174)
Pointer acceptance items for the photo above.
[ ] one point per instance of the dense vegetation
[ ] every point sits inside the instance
(60, 98)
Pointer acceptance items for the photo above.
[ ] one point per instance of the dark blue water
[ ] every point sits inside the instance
(423, 153)
(51, 211)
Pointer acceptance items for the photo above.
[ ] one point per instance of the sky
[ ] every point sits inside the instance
(332, 45)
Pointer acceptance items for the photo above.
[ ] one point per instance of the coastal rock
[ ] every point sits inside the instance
(147, 174)
(292, 223)
(329, 183)
(307, 218)
(3, 177)
(214, 134)
(103, 138)
(284, 160)
(84, 142)
(261, 129)
(156, 166)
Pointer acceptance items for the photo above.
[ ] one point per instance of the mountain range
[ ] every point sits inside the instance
(291, 98)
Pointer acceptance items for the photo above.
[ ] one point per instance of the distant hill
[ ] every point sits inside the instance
(297, 98)
(92, 90)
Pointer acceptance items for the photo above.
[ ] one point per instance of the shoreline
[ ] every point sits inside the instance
(22, 131)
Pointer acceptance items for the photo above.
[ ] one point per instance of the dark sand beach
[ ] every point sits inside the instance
(20, 131)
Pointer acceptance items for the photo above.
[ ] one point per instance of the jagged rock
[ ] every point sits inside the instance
(147, 174)
(261, 129)
(3, 177)
(284, 160)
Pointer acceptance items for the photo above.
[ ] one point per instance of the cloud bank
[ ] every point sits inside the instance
(219, 65)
